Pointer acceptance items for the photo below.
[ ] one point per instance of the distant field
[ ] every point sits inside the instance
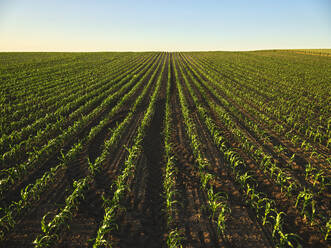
(317, 51)
(197, 149)
(321, 52)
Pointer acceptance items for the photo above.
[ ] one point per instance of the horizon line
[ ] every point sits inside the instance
(137, 51)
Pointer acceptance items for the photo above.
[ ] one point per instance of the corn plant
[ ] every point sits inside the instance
(327, 229)
(174, 239)
(61, 220)
(306, 199)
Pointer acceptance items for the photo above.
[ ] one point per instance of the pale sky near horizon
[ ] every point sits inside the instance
(173, 25)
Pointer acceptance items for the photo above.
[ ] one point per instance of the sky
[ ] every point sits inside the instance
(160, 25)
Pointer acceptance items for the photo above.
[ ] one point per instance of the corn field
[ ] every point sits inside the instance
(159, 149)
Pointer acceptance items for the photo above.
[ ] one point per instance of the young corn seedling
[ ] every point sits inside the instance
(217, 203)
(221, 220)
(289, 240)
(282, 180)
(309, 170)
(174, 239)
(214, 201)
(265, 205)
(307, 200)
(291, 188)
(170, 200)
(327, 229)
(243, 179)
(6, 222)
(205, 178)
(279, 148)
(277, 223)
(319, 178)
(292, 158)
(252, 195)
(107, 226)
(273, 169)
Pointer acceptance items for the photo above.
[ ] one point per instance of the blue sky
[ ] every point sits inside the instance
(172, 25)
